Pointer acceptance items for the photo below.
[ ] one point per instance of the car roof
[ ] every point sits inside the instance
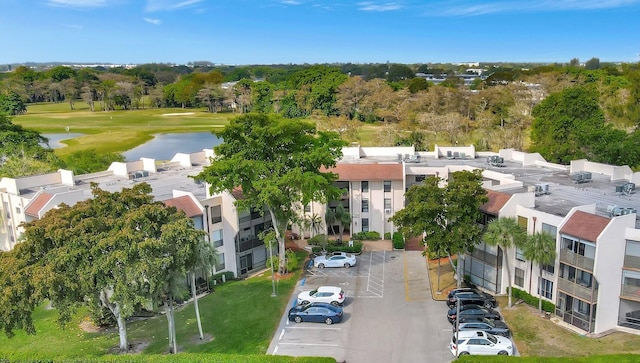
(467, 334)
(329, 289)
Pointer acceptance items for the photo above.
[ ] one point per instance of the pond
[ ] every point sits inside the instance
(161, 147)
(54, 139)
(165, 146)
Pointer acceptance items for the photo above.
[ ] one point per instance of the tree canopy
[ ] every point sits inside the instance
(277, 164)
(118, 250)
(446, 215)
(21, 153)
(570, 125)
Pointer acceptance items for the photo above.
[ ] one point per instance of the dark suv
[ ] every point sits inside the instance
(472, 297)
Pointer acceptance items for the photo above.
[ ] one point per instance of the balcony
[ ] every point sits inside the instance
(249, 243)
(632, 261)
(574, 259)
(589, 294)
(630, 292)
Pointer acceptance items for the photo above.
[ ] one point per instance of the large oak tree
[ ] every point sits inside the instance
(118, 250)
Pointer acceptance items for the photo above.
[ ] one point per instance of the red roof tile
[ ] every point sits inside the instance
(186, 204)
(37, 203)
(371, 172)
(585, 226)
(496, 201)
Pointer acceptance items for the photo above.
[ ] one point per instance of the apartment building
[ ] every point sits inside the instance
(590, 209)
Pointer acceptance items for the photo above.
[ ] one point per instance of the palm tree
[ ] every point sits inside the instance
(204, 258)
(330, 219)
(343, 217)
(541, 249)
(314, 224)
(505, 233)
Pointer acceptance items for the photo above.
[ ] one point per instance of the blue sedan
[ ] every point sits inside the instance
(316, 313)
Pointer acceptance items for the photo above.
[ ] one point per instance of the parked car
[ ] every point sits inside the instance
(471, 297)
(316, 312)
(480, 343)
(336, 259)
(328, 294)
(453, 292)
(472, 312)
(495, 327)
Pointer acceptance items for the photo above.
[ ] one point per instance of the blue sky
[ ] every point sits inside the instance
(318, 31)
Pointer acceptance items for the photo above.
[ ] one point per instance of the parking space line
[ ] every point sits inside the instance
(311, 344)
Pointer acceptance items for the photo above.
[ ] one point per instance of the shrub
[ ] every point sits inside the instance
(357, 248)
(366, 236)
(532, 300)
(387, 235)
(318, 240)
(228, 275)
(398, 241)
(291, 261)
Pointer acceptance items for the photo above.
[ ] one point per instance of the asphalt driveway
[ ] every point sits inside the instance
(389, 314)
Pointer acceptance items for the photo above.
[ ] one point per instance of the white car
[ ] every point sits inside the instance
(335, 259)
(479, 343)
(327, 294)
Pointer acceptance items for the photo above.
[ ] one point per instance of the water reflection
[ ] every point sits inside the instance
(165, 146)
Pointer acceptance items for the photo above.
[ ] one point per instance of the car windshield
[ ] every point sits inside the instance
(313, 292)
(491, 338)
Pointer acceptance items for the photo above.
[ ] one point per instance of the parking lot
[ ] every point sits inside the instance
(389, 314)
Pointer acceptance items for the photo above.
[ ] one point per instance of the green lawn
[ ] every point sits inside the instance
(240, 317)
(115, 131)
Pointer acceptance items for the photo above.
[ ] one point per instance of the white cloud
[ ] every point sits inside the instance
(74, 26)
(472, 8)
(78, 3)
(291, 2)
(167, 5)
(371, 6)
(153, 21)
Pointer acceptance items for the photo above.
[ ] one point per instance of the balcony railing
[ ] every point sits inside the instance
(571, 288)
(249, 244)
(630, 292)
(582, 262)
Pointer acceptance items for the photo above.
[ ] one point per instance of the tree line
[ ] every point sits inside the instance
(492, 113)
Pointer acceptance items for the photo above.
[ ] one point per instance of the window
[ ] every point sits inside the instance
(549, 268)
(18, 211)
(307, 208)
(523, 221)
(519, 254)
(216, 214)
(220, 262)
(365, 186)
(519, 278)
(420, 178)
(546, 289)
(365, 224)
(549, 229)
(216, 238)
(387, 203)
(365, 206)
(387, 186)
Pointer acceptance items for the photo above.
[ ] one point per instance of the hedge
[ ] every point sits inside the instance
(398, 241)
(357, 248)
(532, 300)
(366, 236)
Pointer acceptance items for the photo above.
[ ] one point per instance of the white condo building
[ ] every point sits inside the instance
(590, 208)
